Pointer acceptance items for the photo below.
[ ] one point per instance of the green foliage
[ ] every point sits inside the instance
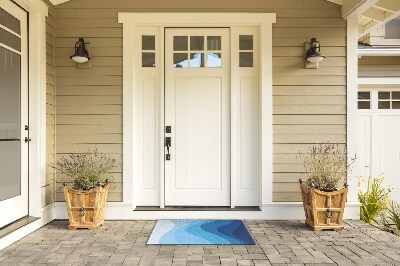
(325, 166)
(374, 201)
(394, 214)
(86, 169)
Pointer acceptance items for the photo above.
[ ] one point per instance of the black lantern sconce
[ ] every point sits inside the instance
(81, 54)
(313, 55)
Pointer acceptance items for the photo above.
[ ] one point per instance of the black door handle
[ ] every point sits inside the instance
(168, 144)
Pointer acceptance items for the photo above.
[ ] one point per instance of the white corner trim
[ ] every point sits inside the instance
(270, 211)
(379, 80)
(352, 89)
(48, 216)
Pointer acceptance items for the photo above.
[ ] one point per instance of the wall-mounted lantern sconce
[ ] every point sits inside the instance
(313, 55)
(81, 54)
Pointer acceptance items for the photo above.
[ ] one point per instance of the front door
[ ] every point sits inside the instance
(13, 113)
(197, 108)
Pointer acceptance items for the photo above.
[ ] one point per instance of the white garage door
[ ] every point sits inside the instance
(379, 136)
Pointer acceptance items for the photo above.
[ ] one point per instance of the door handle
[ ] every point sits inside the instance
(27, 139)
(168, 144)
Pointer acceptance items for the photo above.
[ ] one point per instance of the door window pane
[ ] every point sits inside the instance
(197, 60)
(246, 42)
(180, 43)
(10, 124)
(180, 60)
(396, 105)
(246, 59)
(364, 105)
(197, 43)
(7, 20)
(148, 42)
(148, 59)
(384, 105)
(396, 95)
(384, 95)
(214, 60)
(214, 43)
(10, 39)
(364, 95)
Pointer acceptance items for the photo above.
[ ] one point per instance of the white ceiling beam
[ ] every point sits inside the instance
(389, 5)
(57, 2)
(354, 8)
(375, 14)
(338, 2)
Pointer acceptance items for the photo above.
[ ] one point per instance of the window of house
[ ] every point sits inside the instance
(148, 51)
(364, 100)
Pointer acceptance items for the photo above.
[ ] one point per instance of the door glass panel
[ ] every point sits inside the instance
(148, 42)
(180, 43)
(396, 105)
(148, 59)
(197, 60)
(214, 43)
(10, 121)
(384, 105)
(364, 95)
(246, 59)
(10, 39)
(214, 60)
(396, 95)
(197, 43)
(180, 60)
(246, 42)
(364, 105)
(7, 20)
(384, 95)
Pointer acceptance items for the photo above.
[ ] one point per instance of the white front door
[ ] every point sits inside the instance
(13, 113)
(197, 108)
(378, 135)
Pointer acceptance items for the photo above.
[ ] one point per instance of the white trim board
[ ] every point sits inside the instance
(270, 211)
(379, 80)
(132, 123)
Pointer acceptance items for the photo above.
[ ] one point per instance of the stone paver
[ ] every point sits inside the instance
(278, 243)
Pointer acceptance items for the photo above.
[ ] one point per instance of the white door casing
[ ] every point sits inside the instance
(197, 105)
(17, 206)
(379, 142)
(248, 85)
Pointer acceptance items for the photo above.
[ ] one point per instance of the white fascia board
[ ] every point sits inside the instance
(379, 52)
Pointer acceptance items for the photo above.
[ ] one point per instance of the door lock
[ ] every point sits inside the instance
(168, 144)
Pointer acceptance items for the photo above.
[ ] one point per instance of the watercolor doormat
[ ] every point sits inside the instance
(200, 232)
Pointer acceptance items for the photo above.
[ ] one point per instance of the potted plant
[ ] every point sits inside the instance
(86, 198)
(324, 192)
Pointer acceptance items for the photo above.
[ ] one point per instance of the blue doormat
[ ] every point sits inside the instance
(200, 232)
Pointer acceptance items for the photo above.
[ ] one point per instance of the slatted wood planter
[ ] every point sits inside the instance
(85, 207)
(323, 210)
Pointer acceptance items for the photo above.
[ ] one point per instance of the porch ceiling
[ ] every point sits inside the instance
(371, 13)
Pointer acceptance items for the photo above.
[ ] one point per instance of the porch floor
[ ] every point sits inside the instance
(278, 243)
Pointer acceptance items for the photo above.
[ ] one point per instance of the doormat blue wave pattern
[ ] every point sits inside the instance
(200, 232)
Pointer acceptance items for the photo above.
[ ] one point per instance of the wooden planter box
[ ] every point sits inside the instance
(85, 207)
(323, 210)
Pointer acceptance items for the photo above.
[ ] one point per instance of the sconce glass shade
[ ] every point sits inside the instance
(81, 54)
(313, 54)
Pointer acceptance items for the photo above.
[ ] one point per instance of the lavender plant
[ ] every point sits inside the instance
(86, 170)
(325, 166)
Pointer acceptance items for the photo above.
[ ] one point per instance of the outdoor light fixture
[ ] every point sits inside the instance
(313, 55)
(81, 54)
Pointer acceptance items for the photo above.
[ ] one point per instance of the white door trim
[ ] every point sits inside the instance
(131, 124)
(37, 102)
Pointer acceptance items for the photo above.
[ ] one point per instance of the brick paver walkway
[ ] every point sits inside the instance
(278, 243)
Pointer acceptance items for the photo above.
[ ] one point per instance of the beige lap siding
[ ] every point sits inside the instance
(48, 188)
(309, 104)
(379, 66)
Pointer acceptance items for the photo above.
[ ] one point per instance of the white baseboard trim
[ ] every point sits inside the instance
(47, 216)
(270, 211)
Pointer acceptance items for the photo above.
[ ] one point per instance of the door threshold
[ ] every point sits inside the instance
(8, 229)
(196, 208)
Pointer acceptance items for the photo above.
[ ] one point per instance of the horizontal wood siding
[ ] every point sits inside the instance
(48, 188)
(379, 66)
(309, 104)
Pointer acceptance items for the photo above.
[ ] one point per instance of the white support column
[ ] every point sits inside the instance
(352, 87)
